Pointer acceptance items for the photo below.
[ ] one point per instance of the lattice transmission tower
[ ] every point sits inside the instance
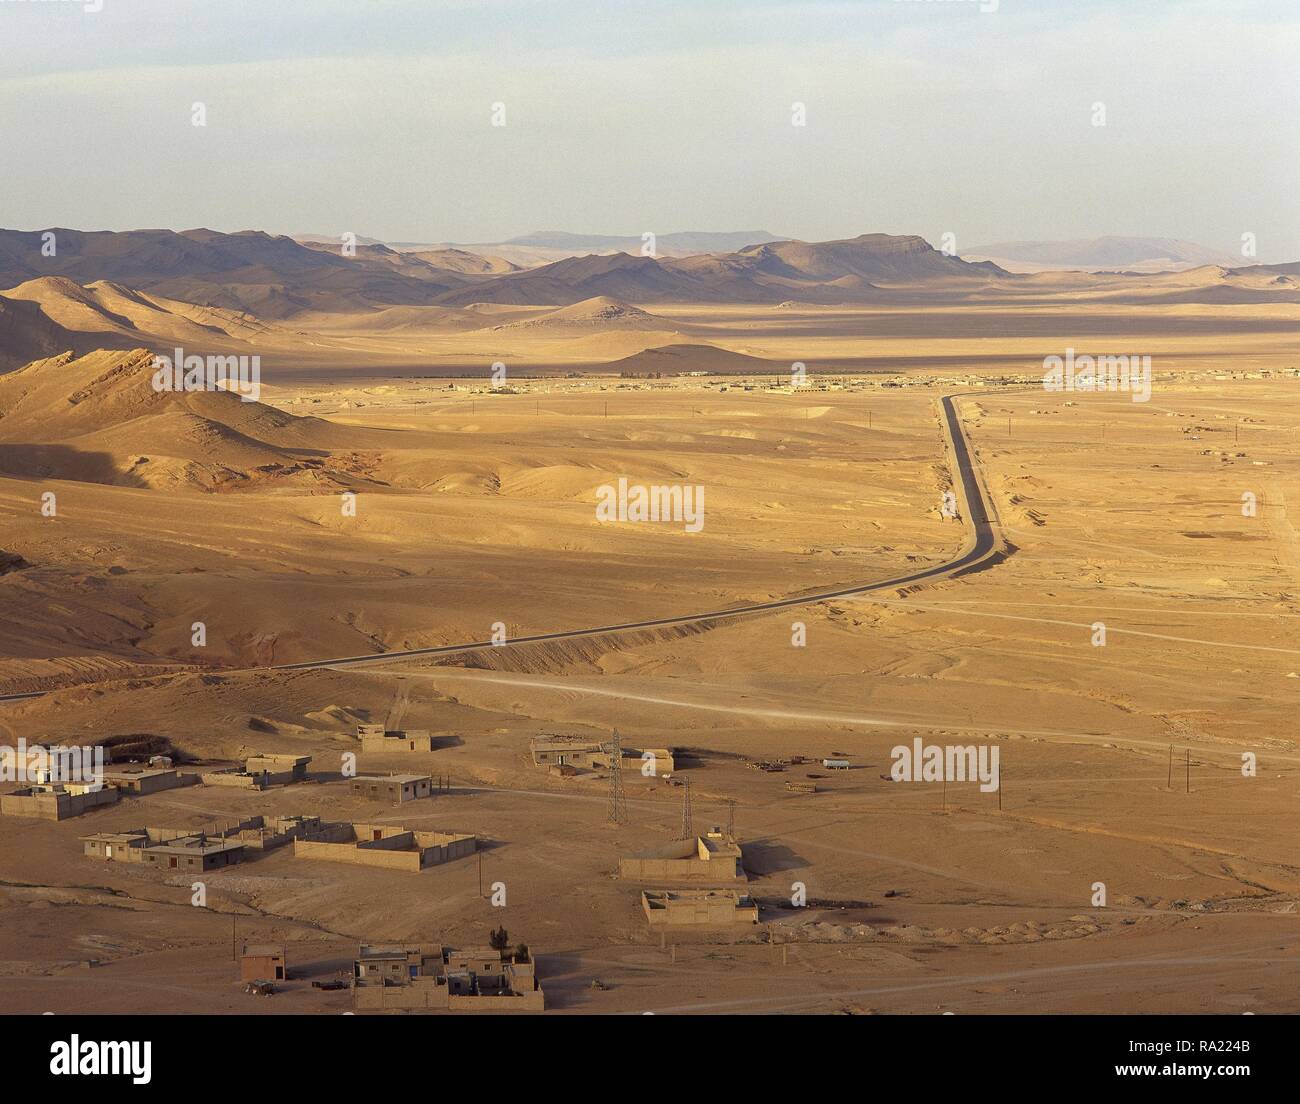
(617, 813)
(688, 819)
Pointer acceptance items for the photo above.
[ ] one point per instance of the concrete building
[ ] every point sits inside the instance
(711, 859)
(393, 788)
(697, 908)
(267, 833)
(257, 772)
(395, 964)
(56, 801)
(385, 845)
(116, 846)
(137, 781)
(158, 846)
(262, 963)
(282, 769)
(478, 979)
(193, 854)
(377, 740)
(572, 751)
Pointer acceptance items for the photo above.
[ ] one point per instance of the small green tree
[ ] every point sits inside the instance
(521, 952)
(499, 940)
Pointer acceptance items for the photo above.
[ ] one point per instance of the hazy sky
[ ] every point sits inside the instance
(923, 116)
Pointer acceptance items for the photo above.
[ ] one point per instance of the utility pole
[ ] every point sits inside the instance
(1189, 770)
(617, 813)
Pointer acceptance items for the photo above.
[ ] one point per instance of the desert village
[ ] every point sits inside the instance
(495, 836)
(562, 828)
(691, 887)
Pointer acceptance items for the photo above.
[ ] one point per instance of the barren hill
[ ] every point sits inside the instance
(97, 418)
(874, 258)
(767, 273)
(464, 262)
(1132, 254)
(675, 360)
(601, 312)
(104, 308)
(267, 275)
(27, 333)
(618, 275)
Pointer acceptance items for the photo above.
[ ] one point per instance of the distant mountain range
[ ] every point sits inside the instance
(543, 246)
(267, 275)
(1105, 253)
(158, 288)
(277, 277)
(839, 271)
(678, 244)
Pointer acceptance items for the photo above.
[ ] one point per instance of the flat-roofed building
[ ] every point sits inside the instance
(263, 962)
(280, 769)
(253, 834)
(697, 908)
(470, 980)
(393, 788)
(194, 853)
(57, 801)
(574, 751)
(377, 740)
(116, 846)
(396, 964)
(138, 781)
(385, 845)
(258, 772)
(712, 859)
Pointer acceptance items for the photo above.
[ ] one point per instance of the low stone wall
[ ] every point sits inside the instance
(55, 806)
(349, 852)
(693, 870)
(419, 994)
(434, 853)
(422, 995)
(232, 778)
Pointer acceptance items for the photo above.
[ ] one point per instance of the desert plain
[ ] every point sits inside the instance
(1165, 523)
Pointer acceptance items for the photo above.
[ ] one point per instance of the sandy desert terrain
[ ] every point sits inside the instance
(1121, 763)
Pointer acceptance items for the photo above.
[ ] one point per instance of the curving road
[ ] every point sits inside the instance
(983, 544)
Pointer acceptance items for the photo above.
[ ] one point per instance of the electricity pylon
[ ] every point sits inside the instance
(617, 802)
(688, 821)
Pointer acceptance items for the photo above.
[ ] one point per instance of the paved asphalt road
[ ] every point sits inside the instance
(982, 546)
